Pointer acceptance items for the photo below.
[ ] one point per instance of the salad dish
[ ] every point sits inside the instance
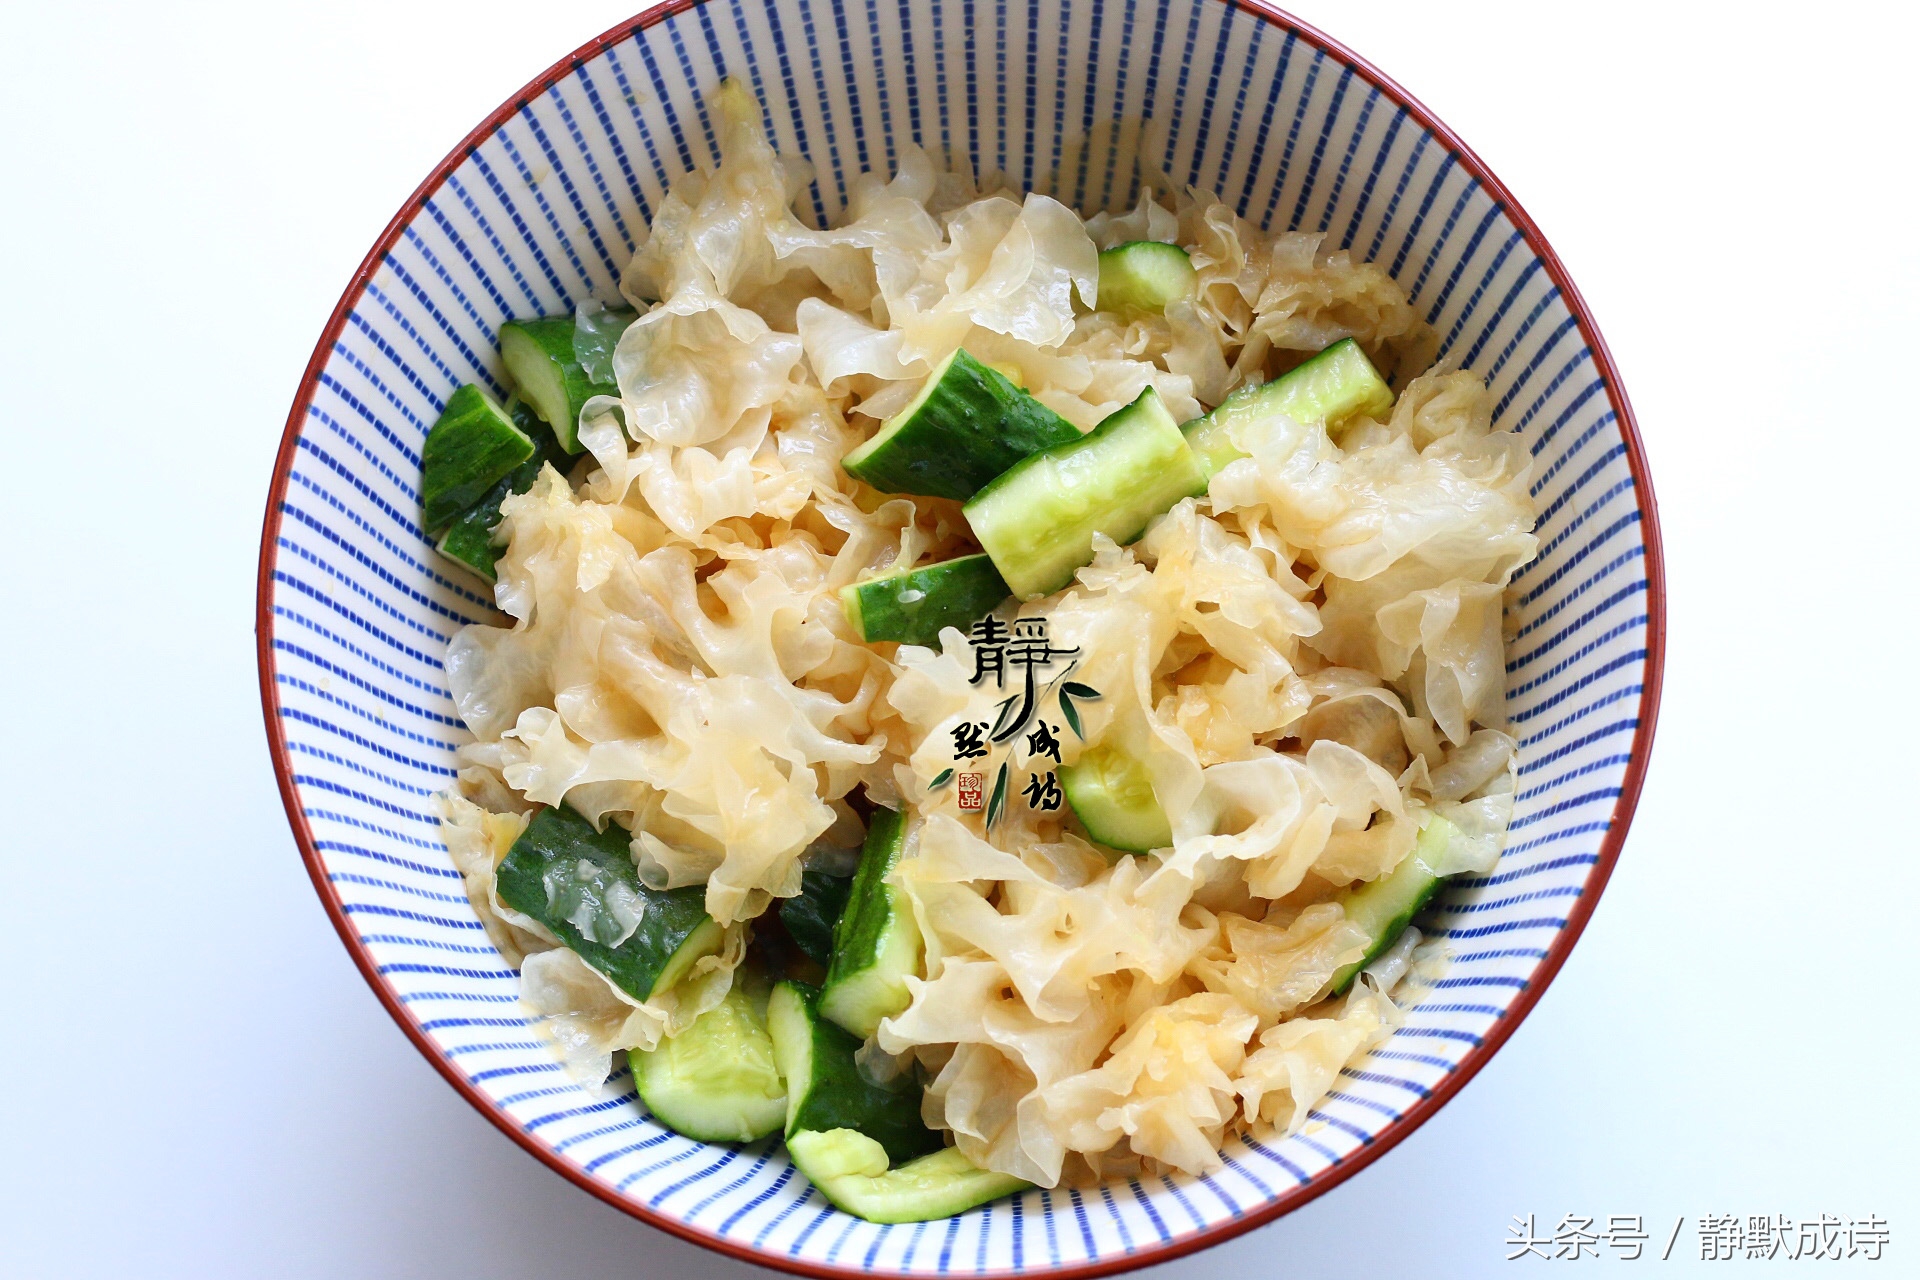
(984, 692)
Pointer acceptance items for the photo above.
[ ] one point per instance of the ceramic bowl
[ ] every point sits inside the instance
(539, 206)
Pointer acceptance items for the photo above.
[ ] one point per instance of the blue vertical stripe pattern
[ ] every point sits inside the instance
(1078, 96)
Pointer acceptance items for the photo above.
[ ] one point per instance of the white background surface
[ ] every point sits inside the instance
(196, 1082)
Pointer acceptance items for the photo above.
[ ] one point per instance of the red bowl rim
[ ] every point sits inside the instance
(1280, 1205)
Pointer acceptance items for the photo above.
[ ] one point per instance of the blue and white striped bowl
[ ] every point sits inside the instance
(538, 207)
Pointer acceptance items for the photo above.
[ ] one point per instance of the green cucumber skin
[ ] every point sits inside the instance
(1385, 907)
(941, 1185)
(1333, 387)
(968, 425)
(468, 541)
(1038, 520)
(810, 916)
(1144, 276)
(836, 1095)
(1139, 829)
(540, 357)
(472, 447)
(912, 607)
(856, 939)
(673, 921)
(876, 944)
(715, 1081)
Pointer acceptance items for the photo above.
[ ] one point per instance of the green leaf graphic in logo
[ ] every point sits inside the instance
(1068, 692)
(998, 802)
(1072, 714)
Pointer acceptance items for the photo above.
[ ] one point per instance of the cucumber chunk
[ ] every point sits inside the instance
(716, 1080)
(468, 541)
(1333, 388)
(1112, 795)
(1385, 907)
(1144, 276)
(913, 605)
(876, 944)
(850, 1169)
(967, 425)
(1038, 520)
(582, 885)
(471, 448)
(810, 916)
(545, 367)
(825, 1087)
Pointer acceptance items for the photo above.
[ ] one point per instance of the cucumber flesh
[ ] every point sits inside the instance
(825, 1087)
(1112, 795)
(876, 944)
(468, 541)
(1332, 388)
(810, 916)
(967, 425)
(1144, 276)
(1385, 907)
(1039, 519)
(596, 332)
(716, 1080)
(912, 606)
(582, 885)
(472, 447)
(850, 1170)
(545, 368)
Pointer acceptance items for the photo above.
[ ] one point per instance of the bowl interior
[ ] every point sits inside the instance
(541, 208)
